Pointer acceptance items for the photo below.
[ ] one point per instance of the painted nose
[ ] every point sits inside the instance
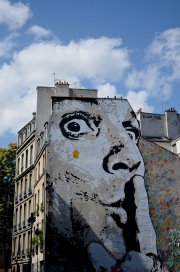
(115, 155)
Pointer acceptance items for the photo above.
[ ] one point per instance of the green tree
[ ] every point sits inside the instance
(7, 175)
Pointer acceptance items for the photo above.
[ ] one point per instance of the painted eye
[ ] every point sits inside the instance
(132, 136)
(75, 128)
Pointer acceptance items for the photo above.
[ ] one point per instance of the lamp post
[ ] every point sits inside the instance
(31, 220)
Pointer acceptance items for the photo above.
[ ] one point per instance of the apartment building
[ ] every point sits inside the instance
(30, 199)
(162, 129)
(23, 199)
(78, 162)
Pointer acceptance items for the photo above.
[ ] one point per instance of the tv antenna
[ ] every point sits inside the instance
(163, 105)
(54, 76)
(56, 79)
(73, 84)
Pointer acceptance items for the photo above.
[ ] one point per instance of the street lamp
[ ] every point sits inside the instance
(31, 220)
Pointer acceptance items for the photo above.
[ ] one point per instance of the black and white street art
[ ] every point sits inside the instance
(98, 207)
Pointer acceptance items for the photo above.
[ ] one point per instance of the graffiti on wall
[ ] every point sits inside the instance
(162, 172)
(98, 208)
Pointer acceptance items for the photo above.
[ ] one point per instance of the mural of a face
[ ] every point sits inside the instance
(99, 200)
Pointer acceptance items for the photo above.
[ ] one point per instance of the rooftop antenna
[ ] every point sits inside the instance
(54, 76)
(73, 84)
(163, 105)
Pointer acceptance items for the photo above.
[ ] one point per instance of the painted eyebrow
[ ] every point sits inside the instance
(95, 117)
(85, 114)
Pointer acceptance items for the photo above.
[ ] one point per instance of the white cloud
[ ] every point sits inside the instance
(16, 15)
(39, 32)
(7, 44)
(162, 66)
(139, 100)
(97, 60)
(106, 90)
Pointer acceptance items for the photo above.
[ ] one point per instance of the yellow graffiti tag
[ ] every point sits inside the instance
(75, 154)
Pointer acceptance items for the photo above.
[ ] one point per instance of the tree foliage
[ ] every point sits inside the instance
(7, 175)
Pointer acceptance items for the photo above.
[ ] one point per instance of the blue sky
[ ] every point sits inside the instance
(121, 47)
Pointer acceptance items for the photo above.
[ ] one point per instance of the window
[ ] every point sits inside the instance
(17, 192)
(24, 241)
(25, 185)
(18, 166)
(31, 154)
(39, 169)
(38, 198)
(43, 162)
(26, 158)
(29, 208)
(24, 213)
(22, 162)
(28, 241)
(16, 219)
(43, 193)
(15, 244)
(19, 244)
(20, 214)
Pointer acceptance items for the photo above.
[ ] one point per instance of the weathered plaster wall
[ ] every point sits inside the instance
(97, 207)
(162, 181)
(152, 124)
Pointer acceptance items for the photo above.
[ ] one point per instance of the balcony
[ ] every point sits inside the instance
(30, 190)
(15, 227)
(25, 193)
(20, 196)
